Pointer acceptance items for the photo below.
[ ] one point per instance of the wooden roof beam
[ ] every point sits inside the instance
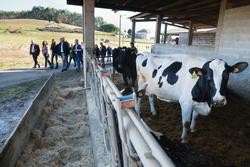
(171, 5)
(172, 24)
(126, 2)
(198, 4)
(140, 15)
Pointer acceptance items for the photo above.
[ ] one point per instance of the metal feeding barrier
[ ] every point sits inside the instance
(127, 139)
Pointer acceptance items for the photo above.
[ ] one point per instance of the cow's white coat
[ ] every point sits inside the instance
(181, 90)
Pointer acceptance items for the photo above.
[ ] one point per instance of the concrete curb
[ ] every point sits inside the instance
(15, 144)
(101, 157)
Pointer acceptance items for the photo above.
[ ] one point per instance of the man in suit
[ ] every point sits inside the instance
(63, 51)
(53, 49)
(34, 51)
(103, 51)
(77, 48)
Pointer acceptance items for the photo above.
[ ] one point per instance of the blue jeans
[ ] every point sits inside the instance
(78, 61)
(52, 59)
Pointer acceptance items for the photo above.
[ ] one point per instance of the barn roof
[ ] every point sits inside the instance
(203, 13)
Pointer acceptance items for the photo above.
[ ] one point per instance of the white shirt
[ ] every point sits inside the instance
(61, 47)
(32, 48)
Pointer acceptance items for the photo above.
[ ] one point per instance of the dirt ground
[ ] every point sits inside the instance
(65, 140)
(224, 134)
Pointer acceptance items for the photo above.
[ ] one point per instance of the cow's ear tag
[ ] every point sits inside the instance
(194, 75)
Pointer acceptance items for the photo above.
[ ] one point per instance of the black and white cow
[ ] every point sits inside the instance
(194, 82)
(124, 61)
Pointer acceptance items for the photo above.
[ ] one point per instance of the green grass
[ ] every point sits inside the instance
(14, 48)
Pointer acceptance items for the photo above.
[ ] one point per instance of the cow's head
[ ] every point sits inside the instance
(212, 83)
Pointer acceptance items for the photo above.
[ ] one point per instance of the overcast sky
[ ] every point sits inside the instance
(108, 15)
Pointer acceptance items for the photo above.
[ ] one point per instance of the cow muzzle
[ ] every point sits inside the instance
(220, 102)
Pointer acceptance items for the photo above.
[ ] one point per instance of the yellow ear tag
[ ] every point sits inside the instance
(194, 75)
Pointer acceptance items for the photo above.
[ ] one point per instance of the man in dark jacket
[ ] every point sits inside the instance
(78, 52)
(103, 51)
(53, 49)
(133, 48)
(34, 51)
(109, 52)
(63, 50)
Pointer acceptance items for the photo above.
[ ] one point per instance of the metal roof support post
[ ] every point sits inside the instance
(190, 33)
(223, 7)
(165, 33)
(89, 23)
(133, 31)
(158, 29)
(88, 10)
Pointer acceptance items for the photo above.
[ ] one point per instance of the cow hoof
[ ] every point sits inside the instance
(184, 141)
(193, 130)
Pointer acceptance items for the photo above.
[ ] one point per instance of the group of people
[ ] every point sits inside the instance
(63, 48)
(103, 52)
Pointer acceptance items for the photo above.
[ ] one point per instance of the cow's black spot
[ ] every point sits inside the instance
(174, 68)
(154, 73)
(144, 63)
(225, 77)
(171, 71)
(159, 67)
(160, 85)
(160, 82)
(204, 89)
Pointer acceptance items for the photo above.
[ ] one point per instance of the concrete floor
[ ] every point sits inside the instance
(13, 77)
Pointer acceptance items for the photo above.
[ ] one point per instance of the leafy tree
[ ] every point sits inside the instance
(56, 15)
(129, 32)
(109, 28)
(99, 21)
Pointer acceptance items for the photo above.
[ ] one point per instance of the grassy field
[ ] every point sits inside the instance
(14, 47)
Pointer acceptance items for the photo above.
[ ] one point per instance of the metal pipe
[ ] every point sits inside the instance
(137, 132)
(156, 149)
(139, 144)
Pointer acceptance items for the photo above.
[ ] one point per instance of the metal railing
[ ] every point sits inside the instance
(127, 139)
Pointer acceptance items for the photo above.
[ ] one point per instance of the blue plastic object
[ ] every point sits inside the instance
(123, 98)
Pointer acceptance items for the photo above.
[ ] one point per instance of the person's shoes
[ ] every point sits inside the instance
(34, 67)
(56, 66)
(77, 70)
(38, 65)
(63, 70)
(51, 67)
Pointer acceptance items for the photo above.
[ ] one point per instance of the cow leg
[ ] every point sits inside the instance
(151, 102)
(193, 122)
(125, 79)
(138, 105)
(186, 110)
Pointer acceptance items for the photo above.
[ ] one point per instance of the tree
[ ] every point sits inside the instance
(109, 28)
(51, 14)
(99, 21)
(129, 32)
